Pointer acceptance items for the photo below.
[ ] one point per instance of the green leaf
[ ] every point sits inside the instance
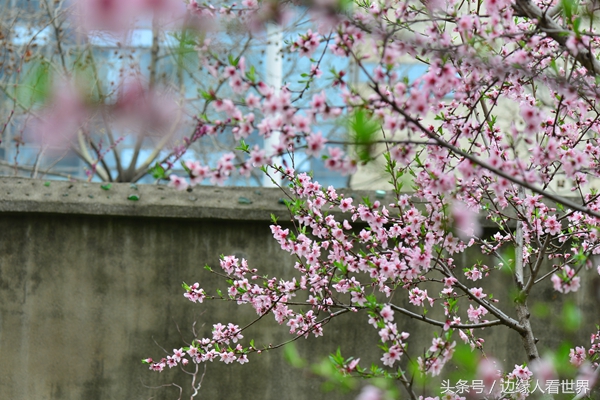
(206, 95)
(184, 51)
(540, 310)
(339, 265)
(363, 130)
(243, 146)
(367, 201)
(569, 7)
(571, 317)
(251, 74)
(346, 5)
(463, 356)
(36, 85)
(189, 171)
(47, 183)
(337, 358)
(157, 172)
(561, 359)
(576, 25)
(452, 304)
(291, 355)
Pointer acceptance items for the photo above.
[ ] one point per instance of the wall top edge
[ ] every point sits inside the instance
(24, 195)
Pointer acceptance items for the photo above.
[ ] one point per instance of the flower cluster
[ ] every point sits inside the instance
(443, 135)
(206, 350)
(567, 281)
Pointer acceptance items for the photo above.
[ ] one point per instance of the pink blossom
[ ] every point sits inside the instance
(387, 314)
(370, 393)
(227, 357)
(522, 372)
(346, 204)
(164, 8)
(359, 298)
(543, 370)
(159, 367)
(475, 314)
(392, 355)
(237, 84)
(178, 182)
(474, 274)
(576, 44)
(566, 281)
(315, 143)
(307, 43)
(252, 101)
(488, 371)
(144, 110)
(553, 226)
(450, 281)
(264, 89)
(577, 356)
(65, 113)
(465, 220)
(315, 71)
(478, 292)
(113, 15)
(178, 354)
(258, 157)
(588, 375)
(318, 102)
(197, 172)
(447, 170)
(171, 362)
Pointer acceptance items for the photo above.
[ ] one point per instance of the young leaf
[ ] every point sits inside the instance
(157, 172)
(363, 130)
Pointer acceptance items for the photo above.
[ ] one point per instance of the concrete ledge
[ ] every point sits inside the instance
(21, 195)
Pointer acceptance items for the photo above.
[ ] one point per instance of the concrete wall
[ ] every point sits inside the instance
(90, 283)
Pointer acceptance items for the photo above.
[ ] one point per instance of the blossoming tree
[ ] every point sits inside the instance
(452, 159)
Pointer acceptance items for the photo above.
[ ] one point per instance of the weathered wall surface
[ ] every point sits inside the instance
(90, 280)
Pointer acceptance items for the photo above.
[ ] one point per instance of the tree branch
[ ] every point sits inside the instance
(475, 160)
(526, 8)
(536, 267)
(440, 323)
(31, 169)
(529, 341)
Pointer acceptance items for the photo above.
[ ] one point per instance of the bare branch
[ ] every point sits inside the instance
(442, 324)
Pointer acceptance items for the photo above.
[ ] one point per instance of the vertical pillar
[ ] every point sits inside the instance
(274, 78)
